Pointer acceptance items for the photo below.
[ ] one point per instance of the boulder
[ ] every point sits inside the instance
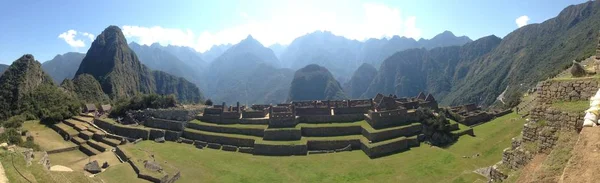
(577, 70)
(92, 167)
(160, 140)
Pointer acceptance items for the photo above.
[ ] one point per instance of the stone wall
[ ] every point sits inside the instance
(540, 134)
(516, 158)
(156, 133)
(476, 118)
(122, 130)
(282, 134)
(165, 124)
(569, 90)
(178, 114)
(195, 135)
(172, 135)
(331, 118)
(352, 110)
(403, 144)
(231, 130)
(280, 149)
(332, 144)
(312, 111)
(406, 131)
(331, 131)
(391, 118)
(255, 114)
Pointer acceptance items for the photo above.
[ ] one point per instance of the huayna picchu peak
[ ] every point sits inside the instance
(121, 74)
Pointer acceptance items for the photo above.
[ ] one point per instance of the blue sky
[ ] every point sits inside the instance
(47, 28)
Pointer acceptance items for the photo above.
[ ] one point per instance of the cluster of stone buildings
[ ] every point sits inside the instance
(91, 108)
(390, 125)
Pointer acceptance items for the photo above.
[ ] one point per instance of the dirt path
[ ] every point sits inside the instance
(583, 165)
(3, 178)
(528, 173)
(60, 168)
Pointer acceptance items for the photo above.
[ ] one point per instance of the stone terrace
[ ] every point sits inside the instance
(378, 127)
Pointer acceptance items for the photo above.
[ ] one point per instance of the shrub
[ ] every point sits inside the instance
(14, 121)
(436, 128)
(208, 102)
(50, 104)
(139, 102)
(11, 136)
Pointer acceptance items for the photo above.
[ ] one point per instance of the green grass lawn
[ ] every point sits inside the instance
(574, 106)
(420, 164)
(44, 136)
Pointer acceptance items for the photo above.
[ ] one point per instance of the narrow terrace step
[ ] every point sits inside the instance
(241, 129)
(87, 135)
(383, 148)
(111, 142)
(99, 145)
(87, 149)
(220, 138)
(377, 135)
(77, 140)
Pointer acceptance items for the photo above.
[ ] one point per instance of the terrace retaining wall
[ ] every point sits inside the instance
(282, 134)
(331, 131)
(406, 131)
(280, 150)
(218, 139)
(332, 144)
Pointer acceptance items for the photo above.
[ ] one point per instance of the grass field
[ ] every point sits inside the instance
(44, 136)
(420, 164)
(574, 106)
(36, 173)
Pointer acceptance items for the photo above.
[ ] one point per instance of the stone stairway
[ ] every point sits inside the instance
(91, 141)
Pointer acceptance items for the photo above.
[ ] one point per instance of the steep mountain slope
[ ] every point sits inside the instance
(63, 66)
(530, 54)
(20, 79)
(360, 81)
(120, 73)
(314, 82)
(245, 73)
(214, 52)
(336, 53)
(188, 56)
(444, 39)
(157, 57)
(435, 71)
(86, 89)
(169, 84)
(278, 49)
(249, 46)
(3, 68)
(343, 56)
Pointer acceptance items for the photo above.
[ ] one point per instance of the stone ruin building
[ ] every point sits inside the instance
(380, 126)
(471, 114)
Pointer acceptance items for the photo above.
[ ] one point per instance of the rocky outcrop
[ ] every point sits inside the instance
(577, 70)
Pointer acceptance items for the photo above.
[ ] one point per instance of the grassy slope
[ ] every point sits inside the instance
(47, 138)
(575, 106)
(36, 173)
(420, 164)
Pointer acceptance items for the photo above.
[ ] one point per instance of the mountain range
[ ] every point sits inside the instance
(455, 69)
(121, 75)
(63, 66)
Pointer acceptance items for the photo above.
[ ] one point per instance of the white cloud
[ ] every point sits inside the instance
(522, 20)
(89, 35)
(375, 21)
(69, 37)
